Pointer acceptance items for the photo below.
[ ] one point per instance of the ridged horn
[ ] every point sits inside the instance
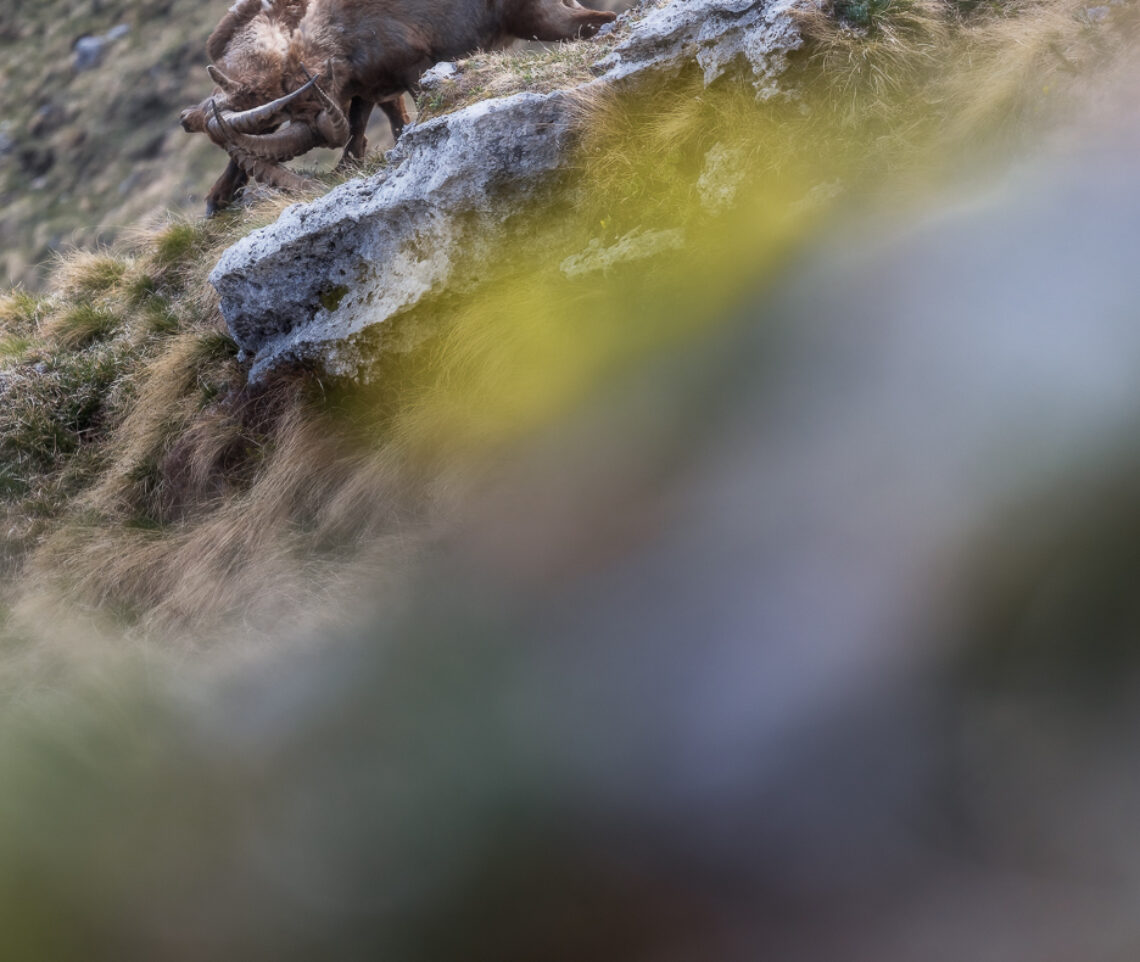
(267, 172)
(258, 118)
(285, 144)
(332, 123)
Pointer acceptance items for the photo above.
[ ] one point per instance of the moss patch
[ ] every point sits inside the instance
(330, 299)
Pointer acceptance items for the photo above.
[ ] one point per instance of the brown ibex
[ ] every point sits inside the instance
(269, 107)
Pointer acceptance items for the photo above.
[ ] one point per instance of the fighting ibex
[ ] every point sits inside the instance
(292, 75)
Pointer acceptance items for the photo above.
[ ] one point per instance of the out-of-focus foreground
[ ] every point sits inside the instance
(792, 615)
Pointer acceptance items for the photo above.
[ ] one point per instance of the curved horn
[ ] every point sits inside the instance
(332, 123)
(269, 173)
(285, 144)
(228, 85)
(258, 118)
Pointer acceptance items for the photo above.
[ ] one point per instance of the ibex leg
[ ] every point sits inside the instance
(222, 193)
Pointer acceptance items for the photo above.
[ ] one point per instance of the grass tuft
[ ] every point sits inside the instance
(80, 325)
(140, 289)
(50, 414)
(83, 274)
(21, 312)
(178, 244)
(13, 346)
(506, 72)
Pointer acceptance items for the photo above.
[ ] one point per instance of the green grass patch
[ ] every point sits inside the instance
(81, 325)
(13, 346)
(21, 312)
(212, 346)
(96, 275)
(159, 316)
(140, 289)
(47, 416)
(179, 244)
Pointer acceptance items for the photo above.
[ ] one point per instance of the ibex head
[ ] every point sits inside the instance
(267, 108)
(261, 137)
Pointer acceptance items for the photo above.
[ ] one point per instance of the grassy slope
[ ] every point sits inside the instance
(139, 477)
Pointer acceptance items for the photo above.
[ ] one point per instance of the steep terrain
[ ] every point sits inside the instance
(726, 551)
(809, 635)
(315, 287)
(490, 289)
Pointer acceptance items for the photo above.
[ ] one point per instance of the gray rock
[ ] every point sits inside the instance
(306, 287)
(714, 33)
(87, 52)
(720, 178)
(315, 286)
(443, 71)
(634, 246)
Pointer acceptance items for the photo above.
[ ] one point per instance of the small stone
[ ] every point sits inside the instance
(635, 246)
(87, 52)
(720, 178)
(436, 76)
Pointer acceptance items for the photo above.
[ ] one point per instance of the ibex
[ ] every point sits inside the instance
(292, 75)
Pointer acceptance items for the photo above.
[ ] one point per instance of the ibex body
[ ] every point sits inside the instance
(298, 74)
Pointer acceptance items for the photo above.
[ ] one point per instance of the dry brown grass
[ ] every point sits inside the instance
(255, 552)
(935, 72)
(534, 69)
(539, 68)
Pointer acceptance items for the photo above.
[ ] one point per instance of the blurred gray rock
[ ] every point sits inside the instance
(88, 50)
